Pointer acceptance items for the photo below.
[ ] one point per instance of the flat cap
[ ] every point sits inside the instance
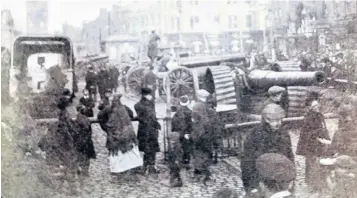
(276, 167)
(274, 90)
(202, 94)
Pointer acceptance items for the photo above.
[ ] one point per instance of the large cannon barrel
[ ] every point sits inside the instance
(266, 79)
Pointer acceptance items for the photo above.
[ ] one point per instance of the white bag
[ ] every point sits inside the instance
(123, 162)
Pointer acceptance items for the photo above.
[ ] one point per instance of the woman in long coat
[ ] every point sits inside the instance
(148, 129)
(121, 139)
(312, 143)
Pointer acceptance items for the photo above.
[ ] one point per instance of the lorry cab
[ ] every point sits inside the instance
(41, 68)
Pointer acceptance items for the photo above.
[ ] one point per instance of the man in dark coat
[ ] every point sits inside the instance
(182, 123)
(91, 83)
(103, 81)
(114, 75)
(201, 137)
(268, 137)
(148, 129)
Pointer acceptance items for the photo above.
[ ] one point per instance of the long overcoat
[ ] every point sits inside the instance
(114, 75)
(148, 126)
(182, 121)
(312, 128)
(91, 81)
(103, 80)
(121, 134)
(201, 136)
(261, 140)
(83, 140)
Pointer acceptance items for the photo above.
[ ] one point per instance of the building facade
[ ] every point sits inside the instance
(227, 25)
(37, 17)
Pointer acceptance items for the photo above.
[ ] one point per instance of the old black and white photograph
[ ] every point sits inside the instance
(178, 98)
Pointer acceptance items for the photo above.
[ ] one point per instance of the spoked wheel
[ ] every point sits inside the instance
(181, 82)
(134, 79)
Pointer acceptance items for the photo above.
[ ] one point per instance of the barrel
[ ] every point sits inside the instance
(265, 79)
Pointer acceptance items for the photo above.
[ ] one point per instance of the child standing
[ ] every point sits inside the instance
(84, 143)
(174, 158)
(87, 101)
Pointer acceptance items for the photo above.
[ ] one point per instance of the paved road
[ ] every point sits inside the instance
(98, 185)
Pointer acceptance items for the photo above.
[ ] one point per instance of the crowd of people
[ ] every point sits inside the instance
(267, 163)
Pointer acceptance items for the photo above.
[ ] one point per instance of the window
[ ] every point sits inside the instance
(248, 21)
(233, 21)
(178, 24)
(194, 20)
(217, 19)
(173, 23)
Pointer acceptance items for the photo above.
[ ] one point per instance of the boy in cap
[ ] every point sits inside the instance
(174, 158)
(277, 174)
(182, 123)
(268, 137)
(278, 95)
(83, 141)
(106, 100)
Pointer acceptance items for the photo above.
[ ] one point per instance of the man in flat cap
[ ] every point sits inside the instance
(148, 129)
(279, 96)
(201, 137)
(182, 123)
(277, 174)
(268, 137)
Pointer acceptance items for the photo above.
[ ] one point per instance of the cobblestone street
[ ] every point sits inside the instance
(225, 174)
(99, 185)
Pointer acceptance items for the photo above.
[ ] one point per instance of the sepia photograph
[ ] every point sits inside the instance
(178, 98)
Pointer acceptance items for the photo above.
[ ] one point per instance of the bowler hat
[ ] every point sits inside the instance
(145, 91)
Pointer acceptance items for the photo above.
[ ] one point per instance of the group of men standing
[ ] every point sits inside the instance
(101, 81)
